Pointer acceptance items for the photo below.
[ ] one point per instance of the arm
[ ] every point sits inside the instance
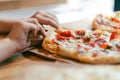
(7, 48)
(42, 17)
(6, 25)
(18, 38)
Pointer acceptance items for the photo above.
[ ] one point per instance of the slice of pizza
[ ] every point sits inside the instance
(85, 46)
(108, 23)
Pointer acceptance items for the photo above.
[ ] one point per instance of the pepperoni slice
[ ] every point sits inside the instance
(94, 55)
(114, 35)
(97, 35)
(100, 41)
(86, 39)
(66, 33)
(91, 44)
(105, 46)
(79, 33)
(59, 37)
(115, 20)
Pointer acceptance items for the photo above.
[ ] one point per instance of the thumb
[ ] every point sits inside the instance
(36, 41)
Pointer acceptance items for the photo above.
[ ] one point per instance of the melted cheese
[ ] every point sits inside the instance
(107, 23)
(72, 44)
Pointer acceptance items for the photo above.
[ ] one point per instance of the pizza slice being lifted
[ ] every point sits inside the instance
(84, 45)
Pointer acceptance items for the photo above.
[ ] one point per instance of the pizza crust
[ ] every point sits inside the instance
(95, 24)
(48, 43)
(101, 59)
(87, 58)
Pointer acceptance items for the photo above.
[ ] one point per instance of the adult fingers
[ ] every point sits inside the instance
(37, 41)
(39, 26)
(46, 19)
(49, 15)
(28, 43)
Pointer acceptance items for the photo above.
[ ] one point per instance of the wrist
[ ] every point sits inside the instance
(13, 45)
(7, 48)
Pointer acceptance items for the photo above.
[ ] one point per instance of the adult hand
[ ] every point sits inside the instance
(45, 18)
(21, 31)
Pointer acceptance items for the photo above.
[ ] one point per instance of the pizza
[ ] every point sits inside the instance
(95, 47)
(107, 22)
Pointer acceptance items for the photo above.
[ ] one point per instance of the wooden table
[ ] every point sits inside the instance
(33, 65)
(20, 4)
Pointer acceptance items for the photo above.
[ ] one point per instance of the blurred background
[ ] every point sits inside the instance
(66, 10)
